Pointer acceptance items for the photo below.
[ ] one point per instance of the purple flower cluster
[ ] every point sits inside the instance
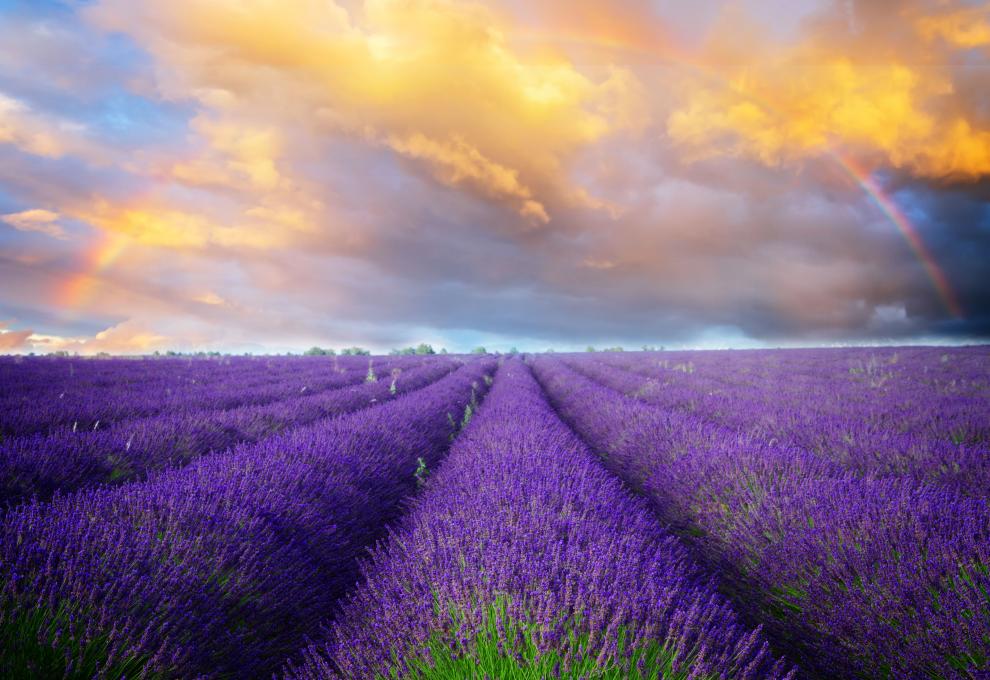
(853, 575)
(41, 465)
(521, 512)
(218, 569)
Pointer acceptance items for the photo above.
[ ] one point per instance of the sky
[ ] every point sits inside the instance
(268, 175)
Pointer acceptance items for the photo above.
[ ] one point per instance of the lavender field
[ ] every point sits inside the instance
(694, 515)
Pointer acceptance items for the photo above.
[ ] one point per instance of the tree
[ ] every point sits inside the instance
(319, 352)
(479, 350)
(423, 348)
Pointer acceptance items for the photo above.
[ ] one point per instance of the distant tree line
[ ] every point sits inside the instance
(346, 352)
(421, 348)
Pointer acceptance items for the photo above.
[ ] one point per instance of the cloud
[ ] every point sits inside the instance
(506, 128)
(458, 162)
(41, 221)
(878, 96)
(128, 337)
(43, 134)
(209, 298)
(260, 174)
(156, 223)
(965, 27)
(12, 340)
(235, 156)
(19, 128)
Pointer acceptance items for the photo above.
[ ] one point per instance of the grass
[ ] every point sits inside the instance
(508, 649)
(42, 643)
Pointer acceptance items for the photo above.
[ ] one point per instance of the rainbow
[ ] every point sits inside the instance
(864, 179)
(80, 288)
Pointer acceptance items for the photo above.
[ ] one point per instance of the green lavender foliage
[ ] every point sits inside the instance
(509, 649)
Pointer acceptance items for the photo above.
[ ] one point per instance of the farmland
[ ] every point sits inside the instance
(724, 514)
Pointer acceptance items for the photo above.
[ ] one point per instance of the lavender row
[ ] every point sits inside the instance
(46, 379)
(853, 577)
(526, 558)
(890, 431)
(41, 376)
(50, 374)
(42, 465)
(82, 406)
(125, 408)
(936, 393)
(219, 569)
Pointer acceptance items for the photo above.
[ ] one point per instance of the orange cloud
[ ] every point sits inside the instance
(128, 337)
(41, 221)
(792, 103)
(209, 298)
(458, 162)
(593, 29)
(967, 27)
(11, 340)
(156, 223)
(237, 156)
(596, 263)
(433, 80)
